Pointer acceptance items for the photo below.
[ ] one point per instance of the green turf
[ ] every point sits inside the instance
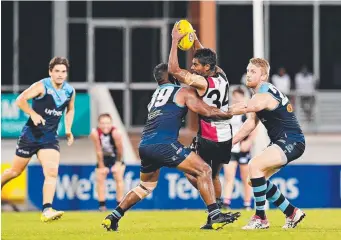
(319, 224)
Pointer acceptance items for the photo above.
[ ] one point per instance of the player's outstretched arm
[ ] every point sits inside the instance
(70, 113)
(117, 136)
(183, 75)
(35, 90)
(99, 154)
(194, 103)
(257, 103)
(249, 125)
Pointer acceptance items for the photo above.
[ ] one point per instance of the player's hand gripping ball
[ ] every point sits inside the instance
(184, 27)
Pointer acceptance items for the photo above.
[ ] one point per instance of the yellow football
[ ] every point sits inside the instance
(187, 41)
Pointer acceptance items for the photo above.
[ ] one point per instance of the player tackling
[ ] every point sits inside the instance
(274, 110)
(159, 147)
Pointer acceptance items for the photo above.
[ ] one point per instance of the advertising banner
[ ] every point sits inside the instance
(306, 186)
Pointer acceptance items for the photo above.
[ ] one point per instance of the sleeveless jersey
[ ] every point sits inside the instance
(216, 95)
(280, 122)
(51, 107)
(107, 142)
(165, 116)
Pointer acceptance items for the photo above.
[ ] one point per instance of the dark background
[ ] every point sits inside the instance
(291, 40)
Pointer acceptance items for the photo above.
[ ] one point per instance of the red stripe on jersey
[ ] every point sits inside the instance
(99, 131)
(208, 132)
(210, 82)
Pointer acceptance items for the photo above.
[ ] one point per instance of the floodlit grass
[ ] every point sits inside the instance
(139, 225)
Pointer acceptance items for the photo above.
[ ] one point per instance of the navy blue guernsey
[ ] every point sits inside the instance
(165, 116)
(281, 121)
(51, 107)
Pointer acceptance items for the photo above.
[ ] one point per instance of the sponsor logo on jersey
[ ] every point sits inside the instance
(53, 112)
(289, 108)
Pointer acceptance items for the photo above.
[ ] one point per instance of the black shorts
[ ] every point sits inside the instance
(241, 157)
(109, 161)
(213, 153)
(26, 149)
(292, 148)
(155, 156)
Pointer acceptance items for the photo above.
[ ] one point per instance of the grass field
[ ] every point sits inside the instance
(139, 225)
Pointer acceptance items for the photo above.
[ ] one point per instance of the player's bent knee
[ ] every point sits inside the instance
(118, 178)
(144, 189)
(13, 173)
(206, 170)
(52, 172)
(254, 165)
(50, 180)
(100, 177)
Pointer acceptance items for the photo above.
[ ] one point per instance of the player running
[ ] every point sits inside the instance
(108, 146)
(159, 147)
(214, 139)
(51, 96)
(274, 110)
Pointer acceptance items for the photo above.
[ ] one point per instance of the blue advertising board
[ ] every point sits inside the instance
(306, 186)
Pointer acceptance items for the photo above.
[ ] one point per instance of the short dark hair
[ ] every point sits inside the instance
(160, 72)
(206, 56)
(58, 61)
(104, 115)
(238, 90)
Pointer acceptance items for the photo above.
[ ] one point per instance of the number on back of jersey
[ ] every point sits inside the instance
(284, 99)
(160, 97)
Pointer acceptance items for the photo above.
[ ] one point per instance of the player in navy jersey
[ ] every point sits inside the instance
(108, 146)
(159, 147)
(214, 138)
(274, 110)
(50, 97)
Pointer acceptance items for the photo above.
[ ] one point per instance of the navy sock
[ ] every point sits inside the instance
(213, 211)
(118, 213)
(47, 205)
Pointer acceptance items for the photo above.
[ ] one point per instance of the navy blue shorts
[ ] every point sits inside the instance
(155, 156)
(292, 148)
(109, 161)
(241, 157)
(27, 149)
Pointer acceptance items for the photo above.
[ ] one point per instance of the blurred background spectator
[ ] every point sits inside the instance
(306, 84)
(282, 81)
